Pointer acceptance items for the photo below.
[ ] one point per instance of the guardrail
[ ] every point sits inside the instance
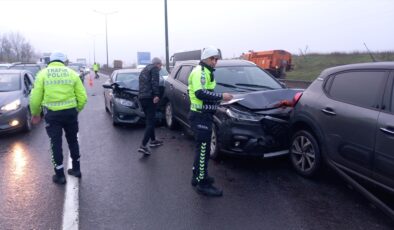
(296, 83)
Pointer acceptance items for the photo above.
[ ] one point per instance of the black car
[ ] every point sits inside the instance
(346, 119)
(15, 88)
(121, 97)
(255, 123)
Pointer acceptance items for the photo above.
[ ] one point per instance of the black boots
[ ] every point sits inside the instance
(76, 170)
(59, 177)
(205, 187)
(208, 190)
(209, 180)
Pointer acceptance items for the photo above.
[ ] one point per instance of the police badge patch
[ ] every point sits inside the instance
(203, 81)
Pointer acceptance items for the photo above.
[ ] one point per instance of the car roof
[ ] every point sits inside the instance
(359, 66)
(18, 71)
(25, 64)
(221, 63)
(128, 70)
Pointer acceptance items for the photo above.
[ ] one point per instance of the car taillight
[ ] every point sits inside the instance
(296, 98)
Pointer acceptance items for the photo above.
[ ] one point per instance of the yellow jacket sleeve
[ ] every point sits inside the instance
(80, 94)
(37, 95)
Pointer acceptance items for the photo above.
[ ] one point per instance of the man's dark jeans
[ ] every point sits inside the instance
(150, 114)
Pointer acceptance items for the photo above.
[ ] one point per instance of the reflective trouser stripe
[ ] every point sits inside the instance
(202, 162)
(59, 167)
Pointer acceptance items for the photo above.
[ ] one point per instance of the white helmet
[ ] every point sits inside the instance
(210, 52)
(58, 56)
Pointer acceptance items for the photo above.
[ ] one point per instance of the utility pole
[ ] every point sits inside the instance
(106, 30)
(166, 36)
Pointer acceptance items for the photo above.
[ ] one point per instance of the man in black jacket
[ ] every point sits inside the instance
(149, 98)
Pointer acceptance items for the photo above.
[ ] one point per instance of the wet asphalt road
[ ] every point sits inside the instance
(121, 189)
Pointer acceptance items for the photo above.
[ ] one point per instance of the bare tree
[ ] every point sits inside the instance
(26, 52)
(14, 47)
(6, 48)
(17, 40)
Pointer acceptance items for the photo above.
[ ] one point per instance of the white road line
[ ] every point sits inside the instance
(71, 201)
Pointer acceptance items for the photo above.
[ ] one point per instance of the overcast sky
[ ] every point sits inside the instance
(234, 26)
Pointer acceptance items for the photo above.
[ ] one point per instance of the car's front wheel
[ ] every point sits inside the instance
(214, 154)
(28, 124)
(170, 120)
(305, 153)
(113, 115)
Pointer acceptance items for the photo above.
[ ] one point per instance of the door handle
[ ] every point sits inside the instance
(184, 95)
(390, 132)
(171, 86)
(328, 111)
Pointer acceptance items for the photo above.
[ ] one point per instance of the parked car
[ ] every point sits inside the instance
(346, 119)
(121, 97)
(78, 67)
(15, 88)
(4, 65)
(33, 68)
(256, 123)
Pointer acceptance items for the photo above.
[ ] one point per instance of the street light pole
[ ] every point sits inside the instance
(166, 36)
(94, 46)
(106, 30)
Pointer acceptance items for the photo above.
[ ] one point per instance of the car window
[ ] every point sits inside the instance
(32, 68)
(127, 76)
(27, 81)
(10, 82)
(183, 74)
(358, 88)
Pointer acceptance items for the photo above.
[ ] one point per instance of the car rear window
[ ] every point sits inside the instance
(360, 88)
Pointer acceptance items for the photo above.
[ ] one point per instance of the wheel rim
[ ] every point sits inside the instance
(169, 115)
(213, 142)
(303, 153)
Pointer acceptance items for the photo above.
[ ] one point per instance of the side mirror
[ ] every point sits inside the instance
(107, 86)
(283, 84)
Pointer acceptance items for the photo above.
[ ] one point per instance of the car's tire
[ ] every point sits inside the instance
(105, 105)
(305, 153)
(169, 117)
(214, 148)
(28, 125)
(114, 122)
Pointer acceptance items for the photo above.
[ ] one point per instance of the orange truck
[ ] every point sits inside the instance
(277, 62)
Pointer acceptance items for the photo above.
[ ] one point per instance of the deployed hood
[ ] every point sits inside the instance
(7, 97)
(263, 100)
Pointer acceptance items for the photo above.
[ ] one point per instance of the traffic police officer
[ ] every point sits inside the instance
(204, 102)
(60, 93)
(96, 69)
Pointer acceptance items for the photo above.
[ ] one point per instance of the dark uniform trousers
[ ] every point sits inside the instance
(201, 124)
(149, 109)
(56, 122)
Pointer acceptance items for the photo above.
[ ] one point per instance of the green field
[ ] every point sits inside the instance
(309, 66)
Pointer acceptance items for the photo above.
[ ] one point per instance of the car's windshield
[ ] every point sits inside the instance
(243, 78)
(9, 82)
(33, 69)
(128, 80)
